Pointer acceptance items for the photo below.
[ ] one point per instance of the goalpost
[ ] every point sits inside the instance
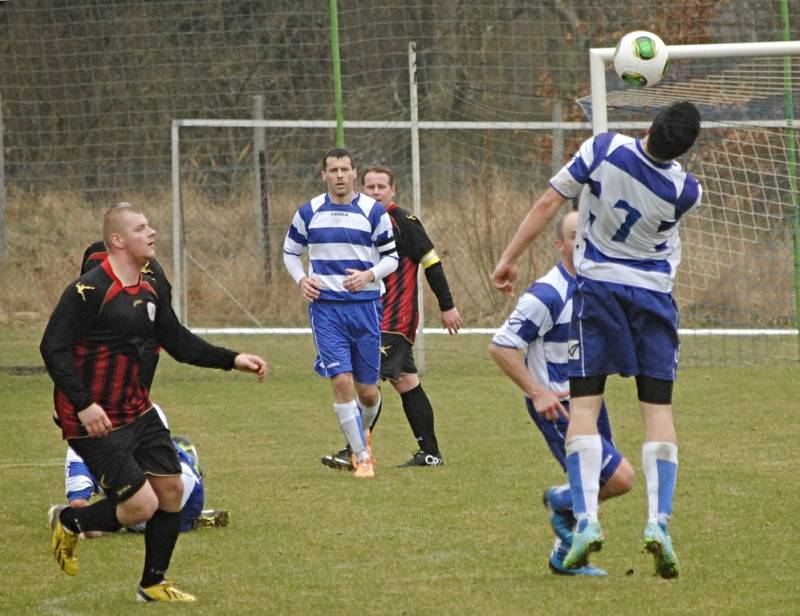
(746, 160)
(413, 126)
(734, 283)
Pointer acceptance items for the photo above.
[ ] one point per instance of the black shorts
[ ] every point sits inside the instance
(397, 356)
(121, 460)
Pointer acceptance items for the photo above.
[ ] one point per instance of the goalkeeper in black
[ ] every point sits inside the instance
(98, 347)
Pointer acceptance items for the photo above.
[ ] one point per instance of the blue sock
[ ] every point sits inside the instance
(561, 498)
(584, 459)
(660, 461)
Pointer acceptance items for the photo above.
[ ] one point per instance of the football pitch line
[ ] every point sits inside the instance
(31, 464)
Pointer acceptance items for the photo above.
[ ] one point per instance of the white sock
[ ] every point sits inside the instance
(350, 423)
(660, 461)
(369, 413)
(584, 461)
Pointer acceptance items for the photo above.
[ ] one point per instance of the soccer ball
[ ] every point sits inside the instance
(641, 58)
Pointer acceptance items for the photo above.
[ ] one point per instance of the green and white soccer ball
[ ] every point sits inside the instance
(641, 58)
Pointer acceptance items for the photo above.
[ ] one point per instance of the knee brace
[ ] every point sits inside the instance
(583, 386)
(654, 391)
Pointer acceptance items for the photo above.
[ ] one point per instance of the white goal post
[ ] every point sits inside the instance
(413, 125)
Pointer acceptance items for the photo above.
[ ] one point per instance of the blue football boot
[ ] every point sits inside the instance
(587, 538)
(560, 550)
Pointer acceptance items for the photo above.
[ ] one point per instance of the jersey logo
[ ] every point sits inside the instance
(411, 217)
(574, 349)
(82, 288)
(136, 302)
(151, 311)
(385, 349)
(146, 269)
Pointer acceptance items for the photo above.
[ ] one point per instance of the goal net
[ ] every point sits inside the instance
(737, 285)
(241, 181)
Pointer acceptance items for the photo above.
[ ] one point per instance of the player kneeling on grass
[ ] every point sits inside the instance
(99, 343)
(81, 486)
(539, 326)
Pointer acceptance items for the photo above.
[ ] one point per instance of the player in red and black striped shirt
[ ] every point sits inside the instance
(102, 335)
(401, 317)
(153, 273)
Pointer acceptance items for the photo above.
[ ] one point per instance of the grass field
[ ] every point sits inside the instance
(467, 538)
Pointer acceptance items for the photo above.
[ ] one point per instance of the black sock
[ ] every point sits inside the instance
(419, 413)
(160, 535)
(377, 416)
(101, 515)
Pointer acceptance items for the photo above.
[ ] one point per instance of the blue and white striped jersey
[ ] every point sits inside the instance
(630, 206)
(539, 325)
(338, 237)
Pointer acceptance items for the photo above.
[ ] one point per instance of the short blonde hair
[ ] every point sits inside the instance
(560, 224)
(112, 218)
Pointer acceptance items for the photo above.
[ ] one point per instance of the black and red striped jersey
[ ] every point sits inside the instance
(153, 273)
(414, 248)
(103, 335)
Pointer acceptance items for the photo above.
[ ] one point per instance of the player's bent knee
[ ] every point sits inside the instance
(168, 491)
(139, 507)
(621, 482)
(654, 391)
(343, 386)
(585, 386)
(369, 394)
(406, 382)
(624, 477)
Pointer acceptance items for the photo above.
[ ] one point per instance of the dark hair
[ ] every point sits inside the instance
(379, 169)
(673, 131)
(337, 153)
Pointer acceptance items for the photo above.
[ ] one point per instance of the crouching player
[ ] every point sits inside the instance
(80, 486)
(539, 325)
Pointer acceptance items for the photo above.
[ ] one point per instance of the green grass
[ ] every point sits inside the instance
(468, 538)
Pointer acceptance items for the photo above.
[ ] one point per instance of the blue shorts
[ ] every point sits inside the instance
(193, 507)
(555, 433)
(618, 329)
(348, 338)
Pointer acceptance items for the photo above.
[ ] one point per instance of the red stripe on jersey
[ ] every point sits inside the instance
(138, 397)
(67, 414)
(101, 364)
(117, 384)
(390, 297)
(400, 314)
(97, 256)
(81, 352)
(146, 285)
